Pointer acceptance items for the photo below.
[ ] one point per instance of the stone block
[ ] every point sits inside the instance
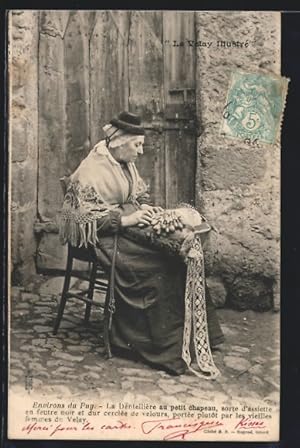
(228, 255)
(237, 364)
(24, 57)
(19, 140)
(54, 285)
(24, 182)
(14, 225)
(217, 291)
(247, 269)
(52, 255)
(23, 242)
(247, 238)
(251, 292)
(21, 273)
(224, 168)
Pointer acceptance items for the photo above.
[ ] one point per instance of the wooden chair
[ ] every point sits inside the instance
(97, 280)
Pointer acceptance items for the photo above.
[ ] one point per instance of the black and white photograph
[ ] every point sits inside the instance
(144, 224)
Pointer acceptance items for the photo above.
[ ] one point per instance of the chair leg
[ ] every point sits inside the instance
(90, 291)
(63, 299)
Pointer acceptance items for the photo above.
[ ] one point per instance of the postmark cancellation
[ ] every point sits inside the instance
(254, 107)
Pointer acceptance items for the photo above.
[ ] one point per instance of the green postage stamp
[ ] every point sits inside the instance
(254, 107)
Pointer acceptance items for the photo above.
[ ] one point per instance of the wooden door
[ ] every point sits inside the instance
(92, 65)
(162, 90)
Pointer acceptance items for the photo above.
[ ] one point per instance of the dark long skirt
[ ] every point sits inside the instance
(149, 294)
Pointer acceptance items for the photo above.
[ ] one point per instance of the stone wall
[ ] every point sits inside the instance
(23, 145)
(238, 185)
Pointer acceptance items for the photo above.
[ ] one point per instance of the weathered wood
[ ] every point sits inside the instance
(151, 166)
(179, 54)
(76, 44)
(180, 106)
(146, 94)
(108, 69)
(54, 22)
(146, 64)
(51, 123)
(91, 20)
(180, 168)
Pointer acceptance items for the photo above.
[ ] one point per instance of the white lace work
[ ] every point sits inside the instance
(195, 314)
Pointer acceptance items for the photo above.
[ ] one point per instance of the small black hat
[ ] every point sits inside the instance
(129, 122)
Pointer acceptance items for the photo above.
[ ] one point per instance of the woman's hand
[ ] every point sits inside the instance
(140, 217)
(150, 207)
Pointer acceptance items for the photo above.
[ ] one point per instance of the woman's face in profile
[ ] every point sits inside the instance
(130, 150)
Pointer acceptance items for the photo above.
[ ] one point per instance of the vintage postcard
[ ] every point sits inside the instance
(144, 217)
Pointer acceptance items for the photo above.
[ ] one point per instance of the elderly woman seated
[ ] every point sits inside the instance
(160, 307)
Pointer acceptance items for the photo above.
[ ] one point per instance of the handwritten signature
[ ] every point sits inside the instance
(177, 430)
(248, 423)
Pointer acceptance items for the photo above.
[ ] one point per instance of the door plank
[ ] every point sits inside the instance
(146, 64)
(151, 166)
(179, 60)
(108, 69)
(181, 167)
(146, 96)
(76, 44)
(180, 106)
(54, 22)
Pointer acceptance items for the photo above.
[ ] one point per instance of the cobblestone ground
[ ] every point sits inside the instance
(72, 362)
